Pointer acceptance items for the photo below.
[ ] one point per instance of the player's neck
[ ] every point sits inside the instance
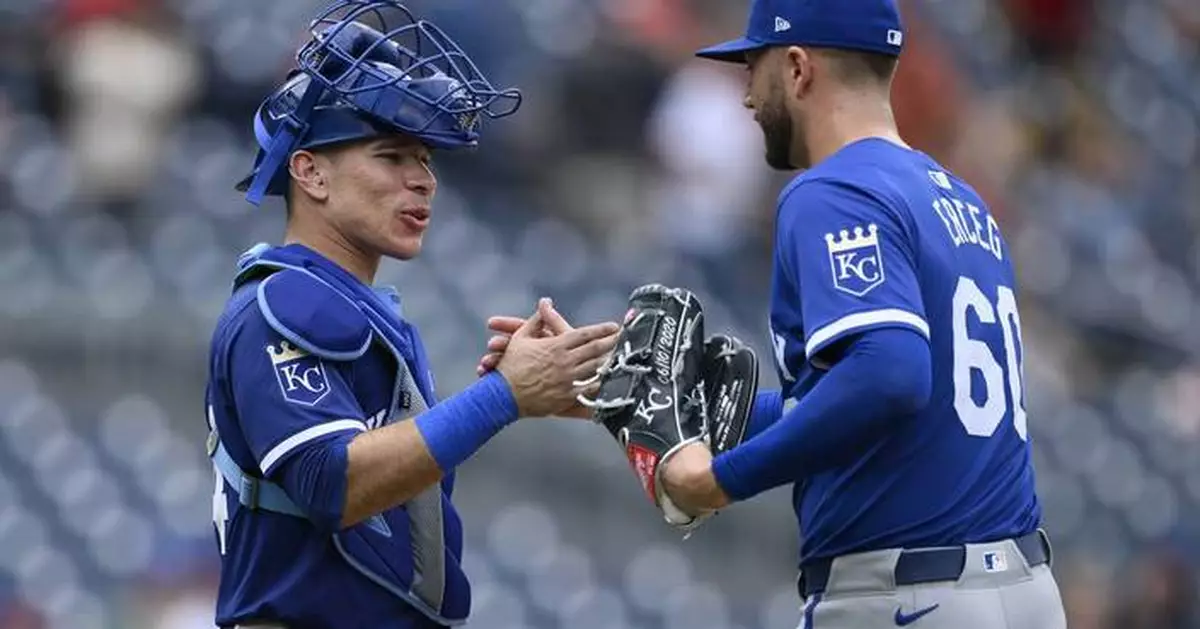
(336, 248)
(853, 117)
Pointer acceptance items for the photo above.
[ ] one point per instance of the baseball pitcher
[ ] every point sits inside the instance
(897, 339)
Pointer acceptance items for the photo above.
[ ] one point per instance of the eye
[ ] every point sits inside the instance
(389, 156)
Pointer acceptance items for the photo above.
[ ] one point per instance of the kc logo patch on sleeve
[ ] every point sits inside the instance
(301, 375)
(856, 260)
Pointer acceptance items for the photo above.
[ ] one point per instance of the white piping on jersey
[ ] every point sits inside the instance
(862, 320)
(304, 436)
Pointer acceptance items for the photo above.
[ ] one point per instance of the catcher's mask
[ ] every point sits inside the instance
(371, 68)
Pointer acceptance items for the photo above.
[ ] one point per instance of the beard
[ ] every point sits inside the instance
(779, 132)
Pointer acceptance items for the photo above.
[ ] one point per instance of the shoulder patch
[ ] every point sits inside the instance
(856, 259)
(313, 316)
(301, 376)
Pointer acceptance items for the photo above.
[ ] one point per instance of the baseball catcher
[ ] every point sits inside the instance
(665, 386)
(334, 454)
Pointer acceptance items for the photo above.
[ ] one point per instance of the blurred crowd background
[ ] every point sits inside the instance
(125, 123)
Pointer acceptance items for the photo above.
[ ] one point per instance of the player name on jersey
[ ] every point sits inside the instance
(968, 225)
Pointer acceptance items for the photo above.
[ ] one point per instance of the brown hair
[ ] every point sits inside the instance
(858, 68)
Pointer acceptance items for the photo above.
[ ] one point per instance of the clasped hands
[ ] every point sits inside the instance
(687, 476)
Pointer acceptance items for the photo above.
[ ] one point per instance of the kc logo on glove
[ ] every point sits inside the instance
(301, 375)
(655, 401)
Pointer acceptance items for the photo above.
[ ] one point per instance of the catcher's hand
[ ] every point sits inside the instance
(503, 327)
(651, 390)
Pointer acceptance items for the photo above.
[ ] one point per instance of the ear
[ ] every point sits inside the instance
(798, 70)
(308, 170)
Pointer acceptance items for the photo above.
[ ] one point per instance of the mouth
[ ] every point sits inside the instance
(418, 213)
(416, 219)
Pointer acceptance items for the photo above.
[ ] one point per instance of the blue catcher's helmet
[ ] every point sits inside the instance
(371, 68)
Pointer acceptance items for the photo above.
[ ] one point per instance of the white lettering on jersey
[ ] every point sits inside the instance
(968, 225)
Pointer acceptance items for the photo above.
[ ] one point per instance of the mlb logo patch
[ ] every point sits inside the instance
(856, 260)
(995, 561)
(301, 375)
(940, 179)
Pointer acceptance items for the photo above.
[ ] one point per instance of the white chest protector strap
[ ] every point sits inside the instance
(253, 493)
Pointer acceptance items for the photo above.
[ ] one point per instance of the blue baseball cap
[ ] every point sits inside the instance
(866, 25)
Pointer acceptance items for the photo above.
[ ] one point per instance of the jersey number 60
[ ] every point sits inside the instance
(975, 355)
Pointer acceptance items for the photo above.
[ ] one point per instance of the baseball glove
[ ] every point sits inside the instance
(664, 387)
(730, 384)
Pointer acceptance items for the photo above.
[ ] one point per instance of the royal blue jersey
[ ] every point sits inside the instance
(878, 236)
(270, 401)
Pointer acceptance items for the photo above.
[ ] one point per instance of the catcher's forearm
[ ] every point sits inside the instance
(885, 376)
(388, 466)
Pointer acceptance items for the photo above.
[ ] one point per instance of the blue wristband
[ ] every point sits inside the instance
(457, 427)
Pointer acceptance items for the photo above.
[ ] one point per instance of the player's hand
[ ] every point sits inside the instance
(502, 329)
(689, 480)
(542, 369)
(554, 324)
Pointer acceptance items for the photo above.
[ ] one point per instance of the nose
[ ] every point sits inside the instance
(423, 182)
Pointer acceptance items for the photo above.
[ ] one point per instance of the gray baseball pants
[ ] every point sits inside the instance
(999, 585)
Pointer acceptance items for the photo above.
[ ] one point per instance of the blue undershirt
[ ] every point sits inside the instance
(882, 376)
(767, 409)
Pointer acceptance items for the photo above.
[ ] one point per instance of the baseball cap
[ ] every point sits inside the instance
(867, 25)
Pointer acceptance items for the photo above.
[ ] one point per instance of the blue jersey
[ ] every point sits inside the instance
(269, 401)
(877, 236)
